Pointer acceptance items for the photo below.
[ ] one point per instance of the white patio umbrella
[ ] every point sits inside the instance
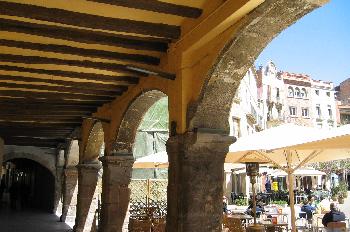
(289, 147)
(157, 160)
(299, 172)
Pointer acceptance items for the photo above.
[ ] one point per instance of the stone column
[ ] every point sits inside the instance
(196, 164)
(58, 204)
(2, 153)
(58, 191)
(117, 171)
(70, 181)
(86, 205)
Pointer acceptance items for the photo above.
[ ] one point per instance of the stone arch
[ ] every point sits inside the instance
(44, 158)
(94, 144)
(256, 30)
(132, 119)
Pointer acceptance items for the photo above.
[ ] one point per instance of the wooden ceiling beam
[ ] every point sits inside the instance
(88, 20)
(29, 94)
(41, 112)
(24, 132)
(30, 100)
(65, 89)
(113, 80)
(33, 125)
(31, 117)
(64, 49)
(156, 6)
(49, 107)
(44, 137)
(124, 68)
(84, 36)
(52, 137)
(77, 63)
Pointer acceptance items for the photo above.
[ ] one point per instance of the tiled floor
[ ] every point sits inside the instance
(30, 221)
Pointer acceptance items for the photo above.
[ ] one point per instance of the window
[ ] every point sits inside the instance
(330, 124)
(303, 93)
(297, 92)
(319, 125)
(277, 93)
(328, 94)
(329, 111)
(318, 110)
(317, 92)
(292, 111)
(290, 92)
(236, 127)
(305, 112)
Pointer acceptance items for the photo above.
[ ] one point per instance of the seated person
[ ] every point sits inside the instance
(333, 216)
(311, 200)
(308, 209)
(259, 207)
(324, 205)
(224, 204)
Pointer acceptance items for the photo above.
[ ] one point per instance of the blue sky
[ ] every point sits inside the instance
(318, 44)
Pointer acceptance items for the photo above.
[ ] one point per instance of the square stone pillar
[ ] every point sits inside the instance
(70, 182)
(196, 175)
(117, 170)
(58, 191)
(86, 205)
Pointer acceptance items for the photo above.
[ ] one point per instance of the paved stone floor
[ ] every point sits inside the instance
(30, 221)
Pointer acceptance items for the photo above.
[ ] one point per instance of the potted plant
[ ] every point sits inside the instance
(240, 202)
(342, 191)
(334, 193)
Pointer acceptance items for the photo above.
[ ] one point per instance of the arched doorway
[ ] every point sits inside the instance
(30, 185)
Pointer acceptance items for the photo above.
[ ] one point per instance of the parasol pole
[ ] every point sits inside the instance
(253, 181)
(291, 192)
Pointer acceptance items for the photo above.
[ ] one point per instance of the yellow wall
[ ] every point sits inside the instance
(191, 58)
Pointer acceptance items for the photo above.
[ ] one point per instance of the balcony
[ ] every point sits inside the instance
(319, 119)
(252, 116)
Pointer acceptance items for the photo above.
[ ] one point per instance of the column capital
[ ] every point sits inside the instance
(124, 160)
(210, 136)
(70, 171)
(89, 166)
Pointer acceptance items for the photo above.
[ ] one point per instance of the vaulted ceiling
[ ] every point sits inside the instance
(60, 60)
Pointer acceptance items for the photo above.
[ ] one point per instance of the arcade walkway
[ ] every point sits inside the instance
(30, 221)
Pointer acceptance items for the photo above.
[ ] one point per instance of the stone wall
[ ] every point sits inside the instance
(44, 156)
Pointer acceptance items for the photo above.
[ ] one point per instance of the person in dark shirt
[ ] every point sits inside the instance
(333, 216)
(268, 185)
(308, 209)
(259, 207)
(224, 204)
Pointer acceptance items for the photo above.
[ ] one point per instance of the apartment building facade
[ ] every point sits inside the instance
(296, 98)
(343, 97)
(324, 104)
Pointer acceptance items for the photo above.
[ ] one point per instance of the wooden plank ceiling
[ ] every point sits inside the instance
(60, 60)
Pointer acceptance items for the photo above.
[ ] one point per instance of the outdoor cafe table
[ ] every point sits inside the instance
(272, 227)
(275, 214)
(243, 217)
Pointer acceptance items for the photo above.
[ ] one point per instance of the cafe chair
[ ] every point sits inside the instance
(235, 225)
(137, 225)
(158, 225)
(336, 227)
